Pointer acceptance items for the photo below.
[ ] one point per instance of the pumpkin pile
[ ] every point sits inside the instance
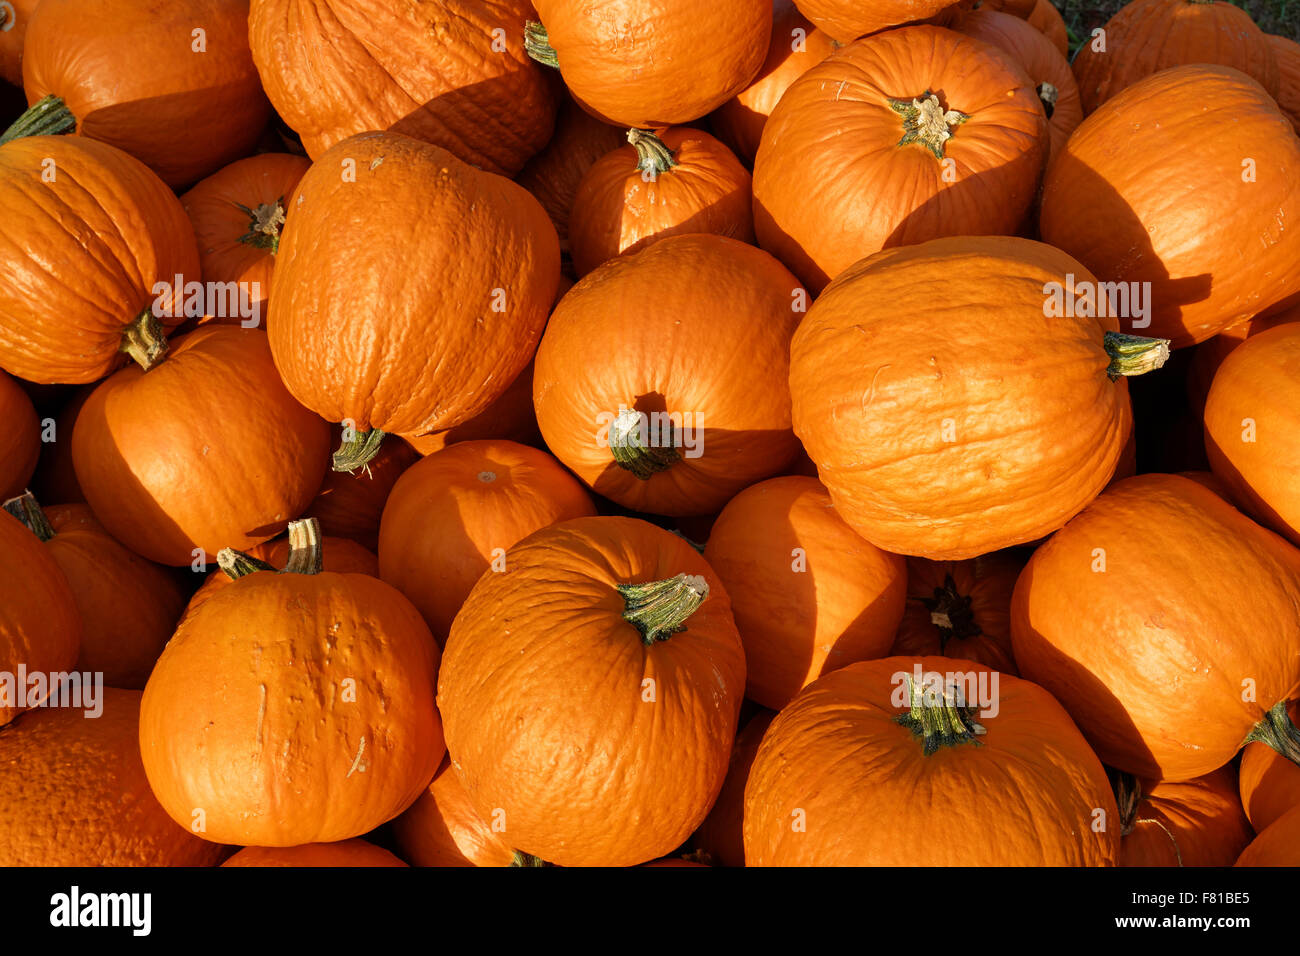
(511, 433)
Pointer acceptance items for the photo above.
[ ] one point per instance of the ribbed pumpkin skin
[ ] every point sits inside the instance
(247, 716)
(456, 512)
(1127, 221)
(1252, 427)
(1048, 21)
(352, 326)
(722, 835)
(20, 438)
(117, 228)
(809, 595)
(839, 113)
(702, 323)
(656, 65)
(1287, 54)
(543, 696)
(132, 76)
(1027, 796)
(617, 211)
(1195, 823)
(344, 853)
(1278, 845)
(846, 20)
(442, 829)
(165, 478)
(1034, 425)
(11, 39)
(1147, 36)
(1269, 782)
(795, 48)
(1150, 656)
(335, 68)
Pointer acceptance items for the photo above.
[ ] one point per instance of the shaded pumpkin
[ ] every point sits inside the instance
(846, 20)
(55, 479)
(721, 836)
(1269, 780)
(14, 17)
(350, 504)
(1207, 479)
(1210, 354)
(510, 417)
(1278, 845)
(442, 828)
(1049, 22)
(1287, 54)
(344, 853)
(20, 438)
(1194, 823)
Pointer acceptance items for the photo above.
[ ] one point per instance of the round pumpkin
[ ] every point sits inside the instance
(1252, 427)
(1147, 36)
(846, 20)
(352, 327)
(293, 708)
(454, 514)
(81, 798)
(1210, 354)
(1126, 219)
(344, 853)
(1270, 780)
(870, 766)
(1194, 823)
(20, 438)
(1287, 54)
(680, 180)
(651, 66)
(914, 134)
(208, 450)
(660, 379)
(1133, 617)
(722, 834)
(988, 423)
(14, 17)
(121, 238)
(171, 84)
(442, 828)
(1048, 21)
(590, 692)
(351, 504)
(808, 594)
(1278, 845)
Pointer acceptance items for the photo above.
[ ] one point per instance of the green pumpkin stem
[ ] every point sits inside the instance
(653, 157)
(659, 609)
(537, 44)
(48, 116)
(939, 718)
(27, 510)
(1278, 731)
(358, 451)
(950, 611)
(304, 554)
(520, 858)
(639, 453)
(264, 225)
(1134, 354)
(143, 340)
(925, 121)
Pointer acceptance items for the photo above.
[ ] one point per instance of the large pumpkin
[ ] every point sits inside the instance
(511, 418)
(1127, 219)
(442, 828)
(591, 690)
(660, 379)
(353, 327)
(652, 66)
(1287, 53)
(809, 595)
(1278, 845)
(951, 424)
(1195, 823)
(1133, 617)
(897, 138)
(121, 237)
(14, 17)
(20, 438)
(846, 20)
(870, 767)
(344, 853)
(1210, 354)
(172, 84)
(1269, 779)
(721, 837)
(293, 708)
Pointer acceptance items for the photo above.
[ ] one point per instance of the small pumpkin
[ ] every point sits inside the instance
(344, 853)
(14, 17)
(1048, 21)
(721, 837)
(1287, 53)
(510, 417)
(1278, 845)
(601, 670)
(442, 828)
(351, 504)
(1269, 780)
(846, 20)
(20, 438)
(1194, 823)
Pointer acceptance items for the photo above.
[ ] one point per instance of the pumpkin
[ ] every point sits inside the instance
(1194, 823)
(952, 126)
(238, 213)
(846, 20)
(960, 609)
(795, 48)
(1269, 780)
(1278, 845)
(352, 329)
(173, 85)
(873, 766)
(128, 606)
(1287, 54)
(1132, 617)
(293, 708)
(454, 514)
(681, 180)
(987, 427)
(350, 504)
(121, 237)
(1016, 8)
(1048, 21)
(1209, 355)
(81, 798)
(651, 66)
(1147, 36)
(590, 692)
(659, 381)
(1207, 479)
(808, 594)
(14, 16)
(510, 417)
(40, 629)
(1252, 427)
(721, 836)
(20, 438)
(1127, 221)
(344, 853)
(56, 477)
(442, 829)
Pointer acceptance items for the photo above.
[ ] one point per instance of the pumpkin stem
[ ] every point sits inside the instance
(950, 611)
(304, 554)
(659, 609)
(926, 122)
(537, 44)
(144, 340)
(939, 717)
(653, 156)
(637, 452)
(1128, 794)
(358, 451)
(520, 858)
(48, 116)
(237, 564)
(1277, 730)
(264, 225)
(27, 510)
(1048, 94)
(1134, 354)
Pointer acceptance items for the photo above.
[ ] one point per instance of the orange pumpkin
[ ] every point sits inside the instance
(56, 478)
(1278, 845)
(1269, 780)
(721, 836)
(952, 126)
(1287, 54)
(1049, 22)
(442, 829)
(14, 17)
(809, 595)
(1209, 355)
(1195, 823)
(576, 682)
(344, 853)
(20, 438)
(846, 20)
(659, 381)
(510, 417)
(350, 504)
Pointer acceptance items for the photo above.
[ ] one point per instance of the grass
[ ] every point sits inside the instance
(1083, 16)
